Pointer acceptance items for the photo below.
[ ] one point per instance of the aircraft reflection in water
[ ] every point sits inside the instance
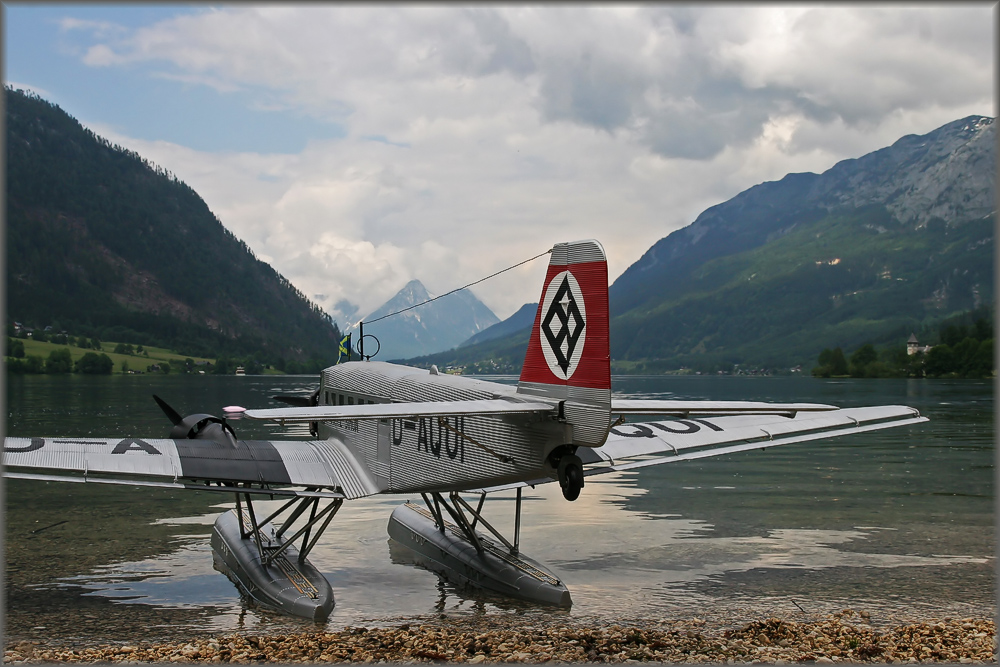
(381, 428)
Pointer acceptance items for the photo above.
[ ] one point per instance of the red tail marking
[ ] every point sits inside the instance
(592, 367)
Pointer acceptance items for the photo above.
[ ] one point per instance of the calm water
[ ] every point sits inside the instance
(900, 522)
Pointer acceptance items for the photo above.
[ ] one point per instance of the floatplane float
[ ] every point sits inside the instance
(380, 428)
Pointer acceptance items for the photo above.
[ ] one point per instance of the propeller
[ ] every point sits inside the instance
(299, 400)
(197, 426)
(302, 401)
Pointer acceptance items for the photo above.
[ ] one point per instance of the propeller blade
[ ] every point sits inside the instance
(298, 400)
(171, 414)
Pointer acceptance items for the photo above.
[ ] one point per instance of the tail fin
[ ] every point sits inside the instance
(568, 356)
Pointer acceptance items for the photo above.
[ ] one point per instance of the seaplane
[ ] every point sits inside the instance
(382, 428)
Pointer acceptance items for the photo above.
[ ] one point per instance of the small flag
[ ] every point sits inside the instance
(345, 349)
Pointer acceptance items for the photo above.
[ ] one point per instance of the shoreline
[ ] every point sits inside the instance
(847, 636)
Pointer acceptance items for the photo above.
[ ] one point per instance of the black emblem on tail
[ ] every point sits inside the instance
(571, 324)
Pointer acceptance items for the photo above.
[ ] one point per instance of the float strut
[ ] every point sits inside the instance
(330, 510)
(253, 524)
(517, 522)
(303, 503)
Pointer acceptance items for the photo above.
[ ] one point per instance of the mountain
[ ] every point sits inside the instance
(439, 325)
(946, 175)
(522, 319)
(864, 252)
(868, 251)
(102, 242)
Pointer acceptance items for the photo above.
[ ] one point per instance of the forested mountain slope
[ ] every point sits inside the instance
(868, 251)
(100, 240)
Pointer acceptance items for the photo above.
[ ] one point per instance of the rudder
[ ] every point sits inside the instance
(569, 357)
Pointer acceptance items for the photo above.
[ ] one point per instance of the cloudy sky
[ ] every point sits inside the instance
(357, 147)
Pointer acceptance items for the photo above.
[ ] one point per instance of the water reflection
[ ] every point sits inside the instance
(892, 520)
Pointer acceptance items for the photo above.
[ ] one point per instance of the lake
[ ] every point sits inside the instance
(897, 522)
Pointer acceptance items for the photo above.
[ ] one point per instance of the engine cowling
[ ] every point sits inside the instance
(199, 426)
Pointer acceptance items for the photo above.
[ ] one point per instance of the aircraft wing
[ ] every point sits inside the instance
(629, 406)
(641, 444)
(498, 406)
(258, 466)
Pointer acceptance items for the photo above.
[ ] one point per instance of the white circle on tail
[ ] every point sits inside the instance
(564, 325)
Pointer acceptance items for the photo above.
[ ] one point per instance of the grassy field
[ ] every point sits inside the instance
(136, 362)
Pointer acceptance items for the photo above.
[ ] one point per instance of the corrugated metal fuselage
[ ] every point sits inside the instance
(432, 454)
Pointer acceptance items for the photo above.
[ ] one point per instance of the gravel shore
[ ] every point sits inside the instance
(843, 637)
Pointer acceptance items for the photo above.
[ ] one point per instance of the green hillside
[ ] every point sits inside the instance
(850, 278)
(100, 242)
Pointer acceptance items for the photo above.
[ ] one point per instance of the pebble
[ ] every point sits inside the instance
(504, 639)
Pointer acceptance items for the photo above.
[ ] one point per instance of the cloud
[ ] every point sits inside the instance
(477, 137)
(684, 82)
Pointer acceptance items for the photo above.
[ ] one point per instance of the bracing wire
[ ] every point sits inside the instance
(459, 289)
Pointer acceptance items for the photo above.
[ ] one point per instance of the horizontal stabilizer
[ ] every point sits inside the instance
(641, 444)
(484, 407)
(705, 408)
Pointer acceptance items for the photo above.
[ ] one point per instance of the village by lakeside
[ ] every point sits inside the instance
(957, 347)
(963, 352)
(46, 351)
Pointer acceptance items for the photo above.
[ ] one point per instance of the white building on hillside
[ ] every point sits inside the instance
(912, 346)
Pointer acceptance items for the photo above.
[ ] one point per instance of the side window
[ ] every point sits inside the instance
(340, 399)
(350, 400)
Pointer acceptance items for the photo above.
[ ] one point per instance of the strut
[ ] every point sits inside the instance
(455, 508)
(273, 544)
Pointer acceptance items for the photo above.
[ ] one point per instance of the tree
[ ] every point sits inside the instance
(939, 361)
(30, 364)
(831, 362)
(983, 329)
(94, 364)
(983, 365)
(15, 348)
(59, 361)
(863, 357)
(34, 364)
(838, 363)
(914, 365)
(222, 366)
(953, 334)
